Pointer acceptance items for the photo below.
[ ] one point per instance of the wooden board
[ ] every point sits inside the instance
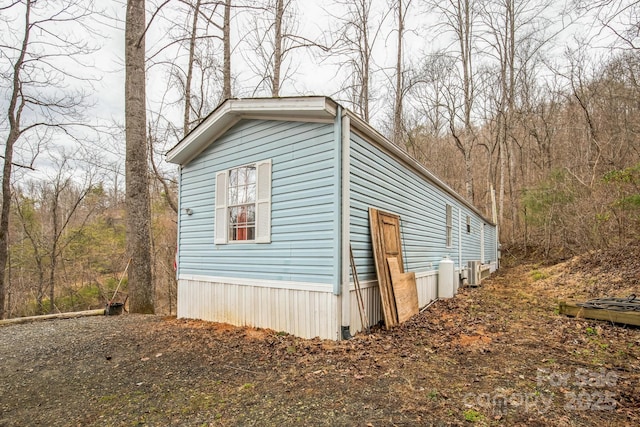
(404, 290)
(625, 317)
(385, 239)
(68, 315)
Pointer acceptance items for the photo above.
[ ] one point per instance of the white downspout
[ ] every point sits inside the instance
(346, 215)
(459, 243)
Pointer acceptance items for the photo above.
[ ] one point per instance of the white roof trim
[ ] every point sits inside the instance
(232, 111)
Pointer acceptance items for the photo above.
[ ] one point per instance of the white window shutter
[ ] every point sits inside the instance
(221, 208)
(263, 202)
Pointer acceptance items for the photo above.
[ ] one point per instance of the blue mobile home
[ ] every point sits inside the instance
(272, 192)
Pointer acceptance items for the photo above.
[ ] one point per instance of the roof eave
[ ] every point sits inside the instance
(231, 111)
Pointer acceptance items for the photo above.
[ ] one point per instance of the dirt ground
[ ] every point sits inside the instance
(495, 355)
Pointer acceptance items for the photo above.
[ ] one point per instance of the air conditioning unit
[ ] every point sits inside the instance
(474, 273)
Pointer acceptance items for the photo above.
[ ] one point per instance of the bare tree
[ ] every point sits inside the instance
(458, 19)
(515, 33)
(226, 37)
(24, 207)
(169, 184)
(137, 173)
(201, 55)
(272, 40)
(277, 47)
(189, 77)
(620, 17)
(354, 37)
(201, 49)
(196, 56)
(59, 199)
(42, 50)
(402, 85)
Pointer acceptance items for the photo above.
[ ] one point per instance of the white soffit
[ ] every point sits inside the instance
(232, 111)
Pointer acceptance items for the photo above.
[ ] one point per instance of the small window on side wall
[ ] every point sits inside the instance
(468, 224)
(243, 204)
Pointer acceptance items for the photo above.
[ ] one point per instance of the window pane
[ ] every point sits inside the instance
(233, 220)
(242, 222)
(250, 193)
(242, 198)
(251, 175)
(246, 175)
(246, 194)
(233, 195)
(242, 185)
(242, 215)
(233, 215)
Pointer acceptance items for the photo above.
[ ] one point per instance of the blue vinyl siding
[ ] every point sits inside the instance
(378, 180)
(490, 244)
(303, 227)
(471, 241)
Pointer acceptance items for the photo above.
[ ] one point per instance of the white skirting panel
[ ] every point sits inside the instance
(493, 266)
(372, 304)
(427, 286)
(307, 313)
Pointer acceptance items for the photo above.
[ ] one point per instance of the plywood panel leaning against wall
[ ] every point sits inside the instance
(404, 290)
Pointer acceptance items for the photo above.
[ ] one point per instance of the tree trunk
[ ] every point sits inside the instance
(464, 38)
(14, 113)
(277, 52)
(226, 66)
(187, 85)
(4, 216)
(365, 53)
(468, 175)
(397, 109)
(141, 292)
(54, 246)
(40, 290)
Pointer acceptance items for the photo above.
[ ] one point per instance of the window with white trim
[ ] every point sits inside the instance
(449, 226)
(243, 204)
(468, 224)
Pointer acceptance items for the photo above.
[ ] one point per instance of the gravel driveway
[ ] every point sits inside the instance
(53, 372)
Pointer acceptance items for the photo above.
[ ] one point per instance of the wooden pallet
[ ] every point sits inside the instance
(615, 316)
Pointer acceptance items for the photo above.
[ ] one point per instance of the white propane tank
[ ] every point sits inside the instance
(445, 278)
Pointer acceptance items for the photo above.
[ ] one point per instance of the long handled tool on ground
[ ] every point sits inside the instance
(363, 313)
(121, 278)
(113, 307)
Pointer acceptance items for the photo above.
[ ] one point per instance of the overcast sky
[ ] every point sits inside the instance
(314, 74)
